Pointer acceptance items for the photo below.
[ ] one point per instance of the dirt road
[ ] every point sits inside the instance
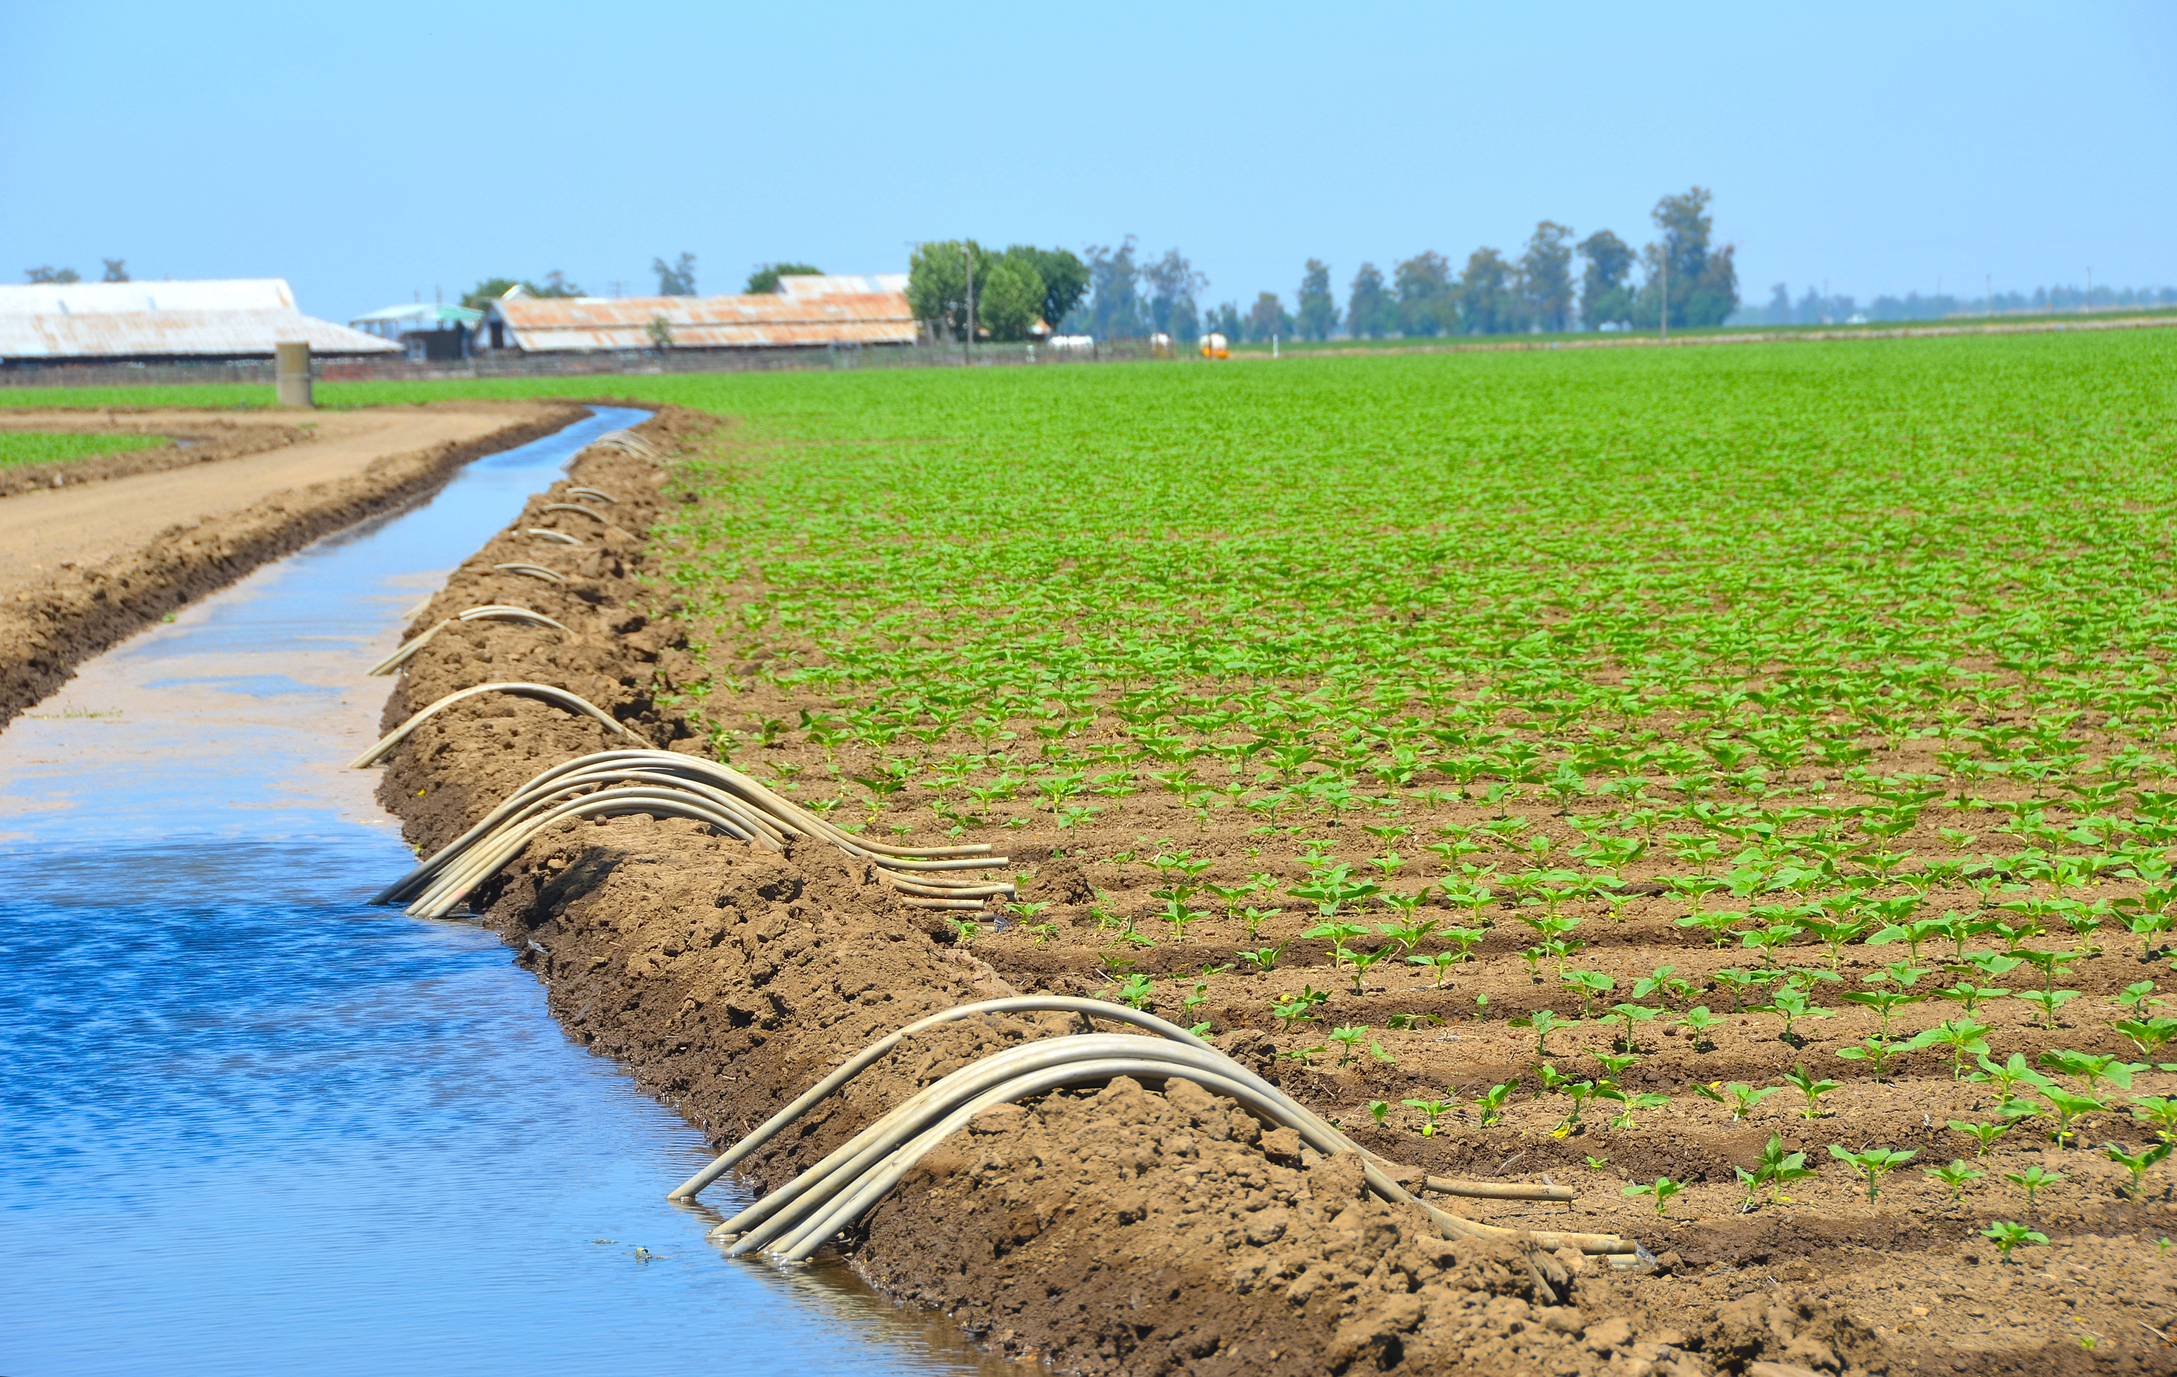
(84, 564)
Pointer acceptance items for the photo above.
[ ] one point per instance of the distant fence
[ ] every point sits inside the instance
(616, 363)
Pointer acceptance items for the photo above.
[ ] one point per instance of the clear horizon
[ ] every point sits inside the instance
(1879, 152)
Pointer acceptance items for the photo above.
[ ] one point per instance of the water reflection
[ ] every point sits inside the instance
(246, 1123)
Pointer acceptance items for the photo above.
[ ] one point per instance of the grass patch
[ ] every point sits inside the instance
(39, 447)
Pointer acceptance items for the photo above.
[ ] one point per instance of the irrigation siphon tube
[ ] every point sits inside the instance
(669, 784)
(535, 571)
(489, 612)
(557, 697)
(876, 1051)
(837, 1191)
(591, 512)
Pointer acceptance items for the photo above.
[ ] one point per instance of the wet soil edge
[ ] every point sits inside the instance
(86, 610)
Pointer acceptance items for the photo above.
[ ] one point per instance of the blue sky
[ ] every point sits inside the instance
(369, 152)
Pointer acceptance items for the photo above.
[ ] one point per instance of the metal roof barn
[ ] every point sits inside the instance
(241, 318)
(840, 284)
(572, 324)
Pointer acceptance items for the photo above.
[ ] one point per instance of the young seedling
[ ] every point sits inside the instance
(1291, 1009)
(1137, 992)
(1967, 993)
(2008, 1234)
(2033, 1180)
(1589, 984)
(1631, 1014)
(2138, 1166)
(1791, 1004)
(1962, 1036)
(1661, 1189)
(1349, 1040)
(1377, 1109)
(1661, 982)
(1742, 1098)
(1871, 1164)
(1441, 962)
(2048, 1002)
(1264, 959)
(1956, 1176)
(1875, 1051)
(1543, 1023)
(1431, 1111)
(1983, 1135)
(1739, 983)
(2068, 1107)
(1697, 1021)
(2159, 1112)
(2091, 1070)
(2147, 1034)
(1492, 1104)
(1810, 1087)
(1775, 1169)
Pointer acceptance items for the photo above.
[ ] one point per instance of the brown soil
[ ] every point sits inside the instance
(83, 566)
(1133, 1231)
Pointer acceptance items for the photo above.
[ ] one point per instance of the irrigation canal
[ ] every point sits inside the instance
(248, 1124)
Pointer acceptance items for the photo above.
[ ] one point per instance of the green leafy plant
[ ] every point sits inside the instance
(2138, 1164)
(1812, 1088)
(1983, 1135)
(1775, 1170)
(2008, 1234)
(1957, 1176)
(1491, 1103)
(2033, 1180)
(1660, 1190)
(1543, 1023)
(1431, 1111)
(1871, 1164)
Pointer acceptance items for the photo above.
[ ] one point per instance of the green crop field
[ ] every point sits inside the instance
(36, 447)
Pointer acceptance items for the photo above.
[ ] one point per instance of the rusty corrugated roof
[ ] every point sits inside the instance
(560, 324)
(174, 334)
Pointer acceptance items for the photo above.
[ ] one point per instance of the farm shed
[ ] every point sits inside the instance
(429, 331)
(544, 325)
(804, 286)
(154, 322)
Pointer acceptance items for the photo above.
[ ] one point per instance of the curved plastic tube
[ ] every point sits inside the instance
(882, 1047)
(557, 697)
(543, 533)
(838, 1190)
(592, 492)
(535, 571)
(492, 612)
(503, 612)
(1499, 1190)
(591, 512)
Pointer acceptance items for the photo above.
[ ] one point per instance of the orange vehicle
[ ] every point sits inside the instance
(1215, 346)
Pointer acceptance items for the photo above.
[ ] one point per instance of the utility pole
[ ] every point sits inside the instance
(1664, 334)
(967, 260)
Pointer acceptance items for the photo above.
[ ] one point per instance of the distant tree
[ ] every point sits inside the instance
(1545, 276)
(555, 284)
(117, 270)
(1172, 283)
(1487, 303)
(1225, 320)
(51, 275)
(1604, 294)
(1268, 317)
(1779, 312)
(1423, 282)
(1065, 279)
(1370, 310)
(488, 291)
(1009, 300)
(1318, 310)
(1115, 306)
(1703, 283)
(675, 279)
(765, 280)
(937, 283)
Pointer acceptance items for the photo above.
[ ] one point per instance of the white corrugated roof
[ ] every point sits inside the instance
(804, 285)
(173, 334)
(104, 298)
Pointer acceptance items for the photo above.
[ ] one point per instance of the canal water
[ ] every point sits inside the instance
(249, 1125)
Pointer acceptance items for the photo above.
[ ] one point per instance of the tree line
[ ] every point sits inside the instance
(1684, 274)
